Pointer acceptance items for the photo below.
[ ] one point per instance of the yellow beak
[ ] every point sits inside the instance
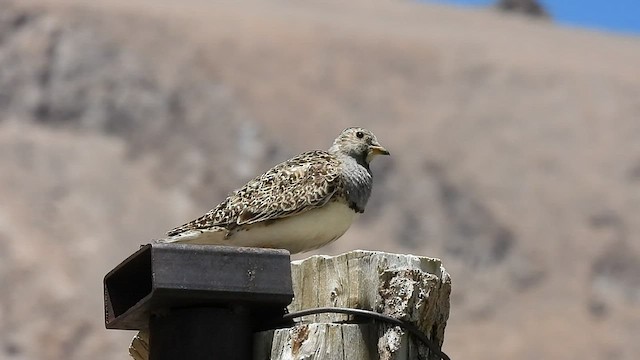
(378, 150)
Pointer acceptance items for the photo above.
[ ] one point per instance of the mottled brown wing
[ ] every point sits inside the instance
(304, 182)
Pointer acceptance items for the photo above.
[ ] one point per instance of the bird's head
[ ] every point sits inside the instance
(358, 143)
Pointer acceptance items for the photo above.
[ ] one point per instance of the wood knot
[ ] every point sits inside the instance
(299, 336)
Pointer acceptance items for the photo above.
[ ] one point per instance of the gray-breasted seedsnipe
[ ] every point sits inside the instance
(299, 205)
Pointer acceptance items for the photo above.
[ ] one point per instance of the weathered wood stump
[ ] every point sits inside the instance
(406, 287)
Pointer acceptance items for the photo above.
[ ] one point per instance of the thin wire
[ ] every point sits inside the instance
(373, 315)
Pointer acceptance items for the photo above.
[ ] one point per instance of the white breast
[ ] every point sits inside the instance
(299, 233)
(307, 231)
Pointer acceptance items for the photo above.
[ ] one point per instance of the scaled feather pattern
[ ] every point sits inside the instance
(304, 182)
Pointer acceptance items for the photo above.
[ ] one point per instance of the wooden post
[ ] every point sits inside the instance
(406, 287)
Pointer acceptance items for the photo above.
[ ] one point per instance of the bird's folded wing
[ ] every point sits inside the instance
(304, 182)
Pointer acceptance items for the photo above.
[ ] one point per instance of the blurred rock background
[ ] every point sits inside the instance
(515, 155)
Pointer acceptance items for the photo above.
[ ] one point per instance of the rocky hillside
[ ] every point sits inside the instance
(515, 155)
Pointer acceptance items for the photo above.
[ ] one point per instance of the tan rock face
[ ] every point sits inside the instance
(515, 155)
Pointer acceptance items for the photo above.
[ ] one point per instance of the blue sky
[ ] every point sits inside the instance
(621, 16)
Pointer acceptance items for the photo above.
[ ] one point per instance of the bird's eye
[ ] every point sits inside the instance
(360, 134)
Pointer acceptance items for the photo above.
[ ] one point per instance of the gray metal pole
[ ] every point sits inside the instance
(198, 301)
(201, 333)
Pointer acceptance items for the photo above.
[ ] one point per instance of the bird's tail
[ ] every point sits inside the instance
(215, 236)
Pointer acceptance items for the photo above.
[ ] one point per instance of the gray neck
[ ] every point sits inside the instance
(358, 183)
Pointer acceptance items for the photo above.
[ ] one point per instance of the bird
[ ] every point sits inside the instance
(299, 205)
